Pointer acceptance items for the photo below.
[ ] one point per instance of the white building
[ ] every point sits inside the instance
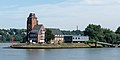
(79, 38)
(75, 38)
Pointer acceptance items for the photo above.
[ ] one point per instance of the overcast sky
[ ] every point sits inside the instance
(63, 14)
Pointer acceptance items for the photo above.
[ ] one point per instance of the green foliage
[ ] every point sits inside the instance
(118, 30)
(8, 38)
(92, 40)
(74, 32)
(95, 32)
(17, 37)
(48, 35)
(110, 37)
(6, 34)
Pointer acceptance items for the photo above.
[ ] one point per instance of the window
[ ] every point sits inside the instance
(78, 37)
(73, 37)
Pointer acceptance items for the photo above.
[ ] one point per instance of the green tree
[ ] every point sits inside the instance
(17, 38)
(117, 38)
(118, 30)
(93, 31)
(48, 35)
(8, 38)
(111, 38)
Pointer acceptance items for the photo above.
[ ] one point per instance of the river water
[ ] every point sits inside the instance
(59, 54)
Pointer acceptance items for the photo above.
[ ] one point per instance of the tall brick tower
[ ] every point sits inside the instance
(31, 22)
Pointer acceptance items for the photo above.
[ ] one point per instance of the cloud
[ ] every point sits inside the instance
(90, 2)
(67, 14)
(100, 2)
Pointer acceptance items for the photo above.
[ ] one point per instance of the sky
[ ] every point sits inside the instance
(63, 14)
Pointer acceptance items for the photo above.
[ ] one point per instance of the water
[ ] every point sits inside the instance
(59, 54)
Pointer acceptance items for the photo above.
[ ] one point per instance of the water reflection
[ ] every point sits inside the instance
(33, 54)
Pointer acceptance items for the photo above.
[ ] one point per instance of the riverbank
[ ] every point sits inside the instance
(52, 46)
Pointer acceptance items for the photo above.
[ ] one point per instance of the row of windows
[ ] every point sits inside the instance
(76, 38)
(59, 35)
(42, 30)
(32, 38)
(80, 38)
(31, 35)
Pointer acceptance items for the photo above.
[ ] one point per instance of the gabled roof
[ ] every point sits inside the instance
(34, 31)
(37, 27)
(68, 33)
(55, 31)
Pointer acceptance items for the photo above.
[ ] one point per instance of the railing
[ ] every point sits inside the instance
(104, 43)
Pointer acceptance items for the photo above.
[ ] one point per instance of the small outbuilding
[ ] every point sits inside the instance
(75, 38)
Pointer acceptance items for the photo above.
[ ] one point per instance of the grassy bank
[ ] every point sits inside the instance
(50, 46)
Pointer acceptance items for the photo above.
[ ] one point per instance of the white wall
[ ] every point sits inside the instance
(80, 38)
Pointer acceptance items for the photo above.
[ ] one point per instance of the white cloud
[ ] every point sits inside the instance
(7, 7)
(69, 14)
(100, 2)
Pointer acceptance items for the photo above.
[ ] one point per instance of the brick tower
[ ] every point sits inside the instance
(31, 22)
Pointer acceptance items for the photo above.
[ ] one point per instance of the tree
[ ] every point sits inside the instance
(8, 38)
(118, 30)
(7, 33)
(117, 38)
(17, 38)
(77, 32)
(110, 38)
(93, 31)
(48, 35)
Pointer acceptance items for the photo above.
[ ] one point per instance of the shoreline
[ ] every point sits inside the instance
(48, 47)
(52, 46)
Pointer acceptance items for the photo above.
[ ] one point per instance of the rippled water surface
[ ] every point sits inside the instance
(59, 54)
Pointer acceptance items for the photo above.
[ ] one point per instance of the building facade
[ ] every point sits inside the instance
(31, 22)
(35, 31)
(67, 37)
(37, 34)
(79, 38)
(59, 37)
(75, 38)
